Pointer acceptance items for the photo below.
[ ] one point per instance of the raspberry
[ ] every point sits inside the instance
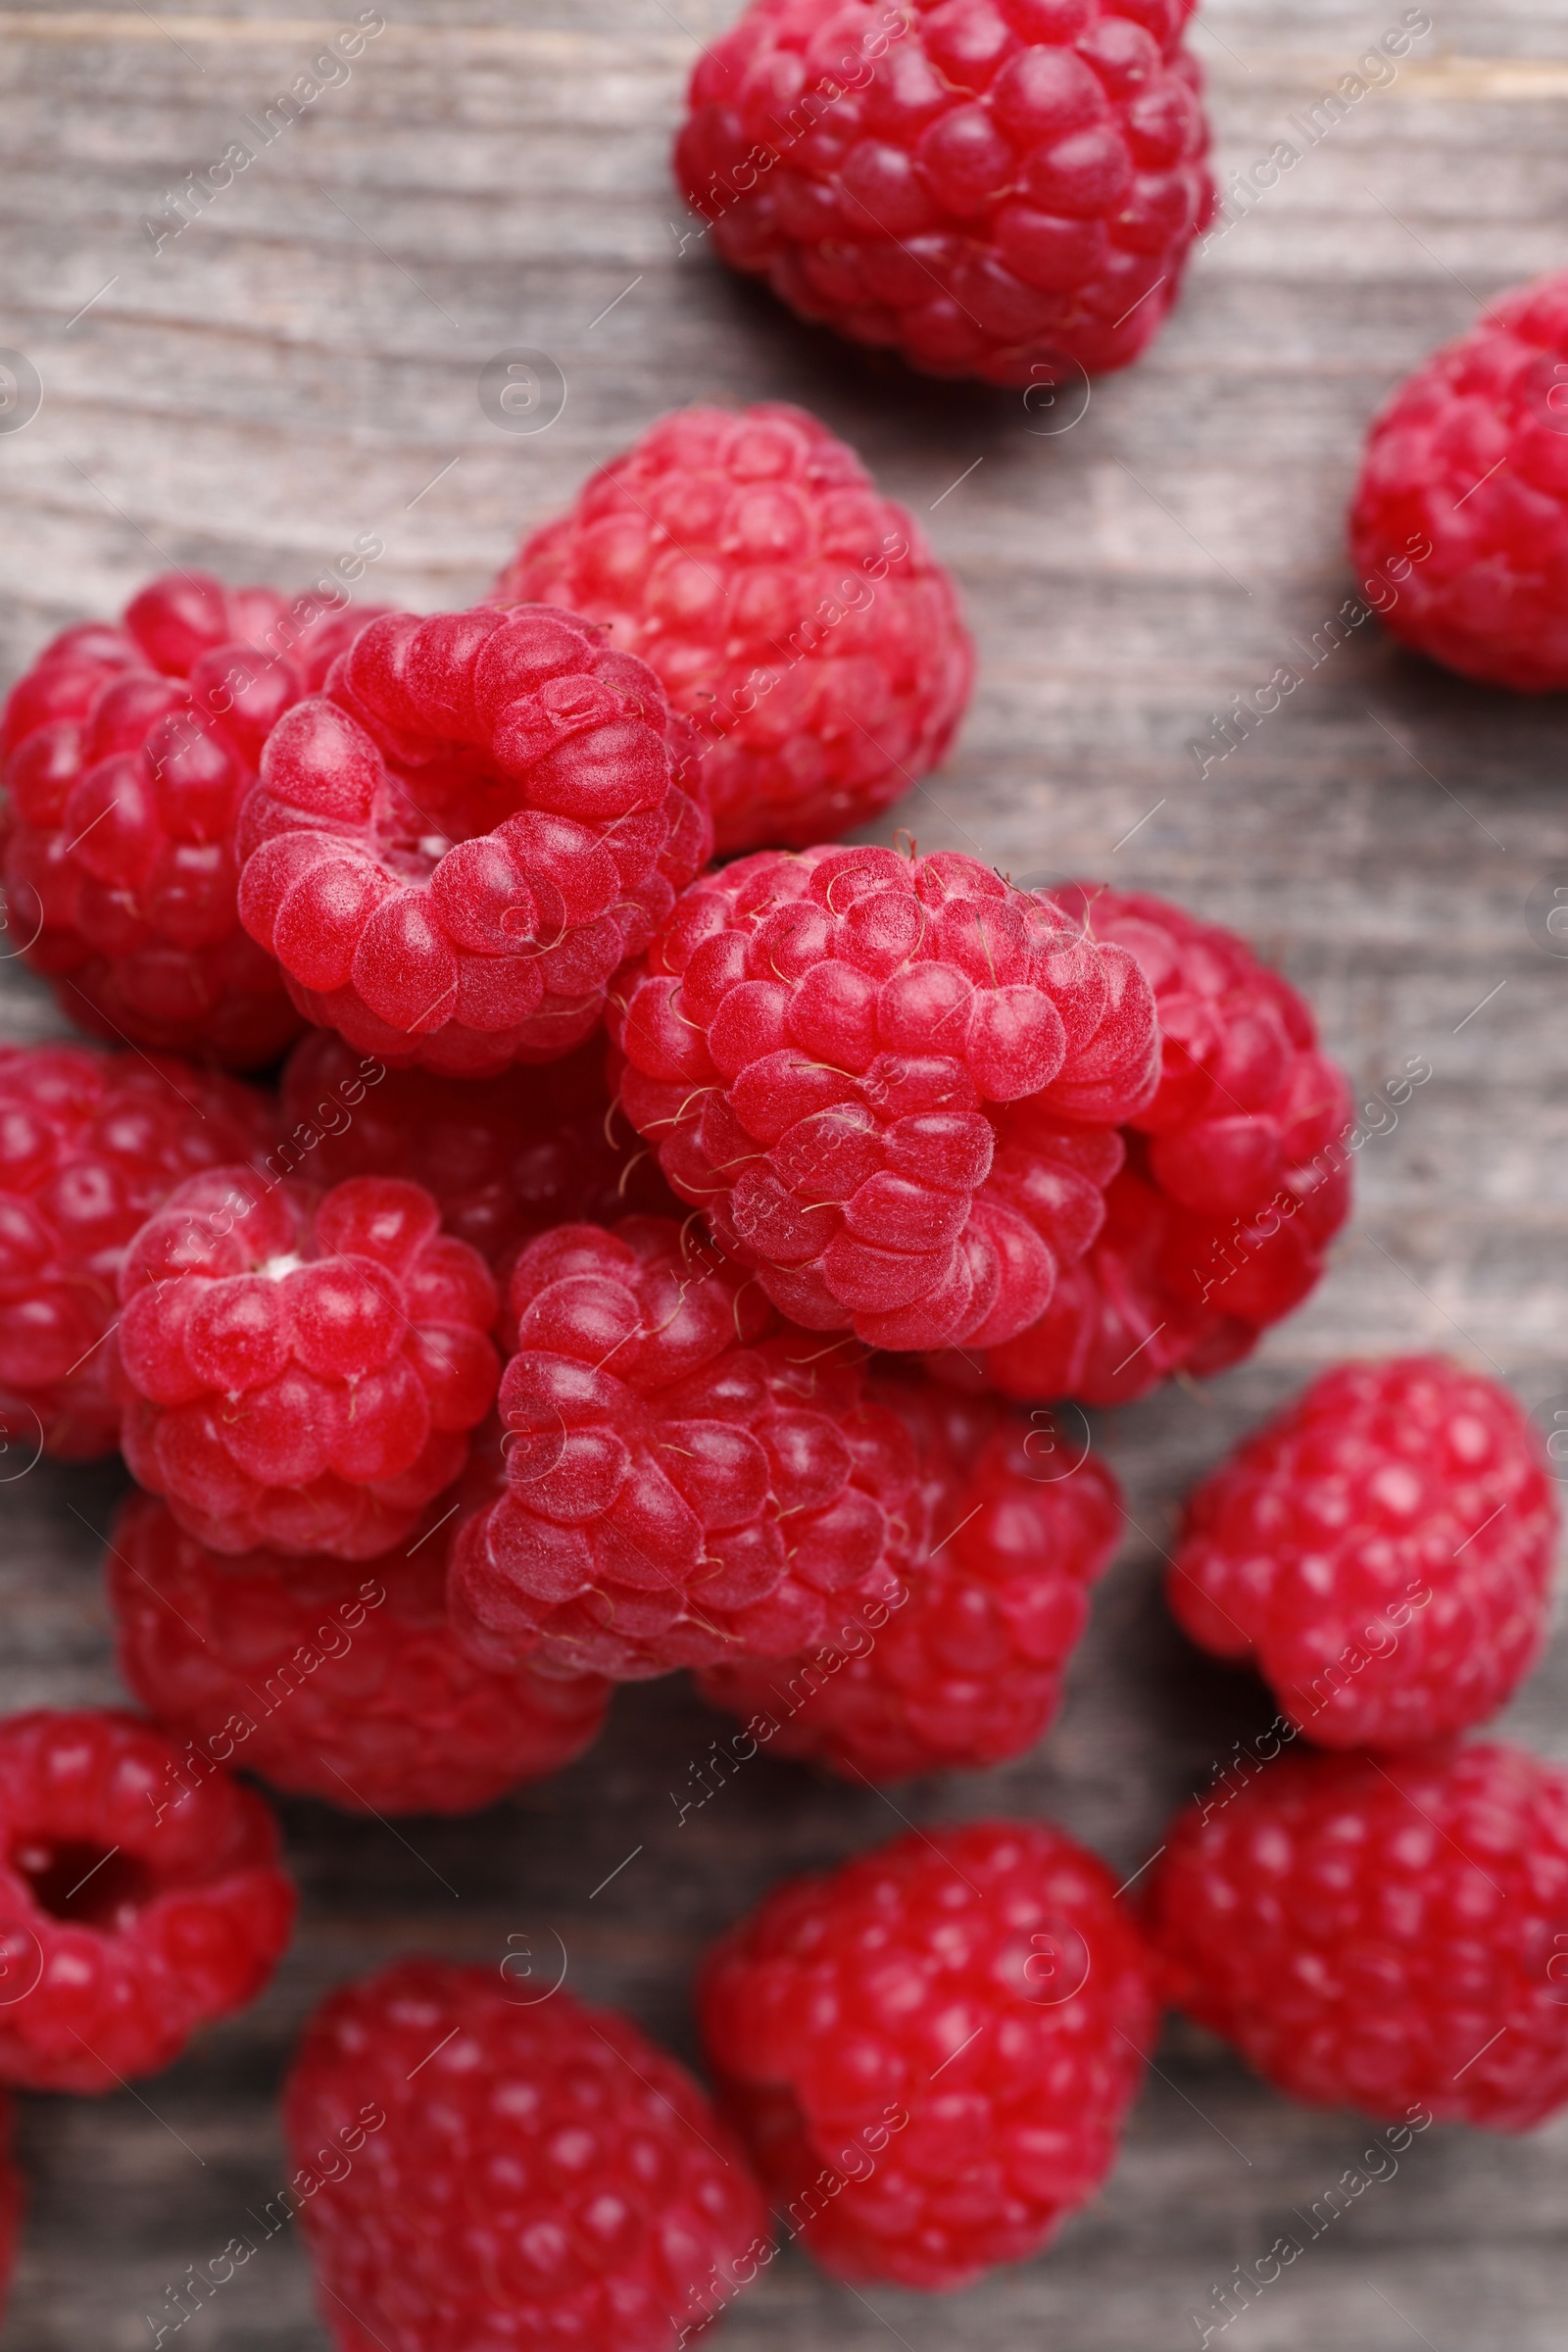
(1236, 1177)
(498, 2168)
(124, 754)
(930, 2050)
(988, 186)
(1460, 523)
(506, 1157)
(90, 1144)
(1390, 1936)
(329, 1680)
(304, 1370)
(141, 1900)
(1383, 1551)
(890, 1083)
(453, 850)
(796, 617)
(680, 1487)
(962, 1664)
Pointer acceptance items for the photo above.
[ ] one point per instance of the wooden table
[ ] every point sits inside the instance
(300, 367)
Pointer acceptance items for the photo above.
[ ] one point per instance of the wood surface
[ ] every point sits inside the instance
(299, 366)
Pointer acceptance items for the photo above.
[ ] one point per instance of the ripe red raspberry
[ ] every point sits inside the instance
(1460, 523)
(986, 186)
(1382, 1550)
(497, 2167)
(90, 1144)
(680, 1487)
(506, 1157)
(796, 617)
(1389, 1935)
(141, 1900)
(454, 849)
(304, 1370)
(1236, 1177)
(330, 1679)
(930, 2050)
(125, 753)
(890, 1083)
(961, 1662)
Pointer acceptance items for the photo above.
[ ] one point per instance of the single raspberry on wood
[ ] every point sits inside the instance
(90, 1144)
(494, 2166)
(125, 752)
(330, 1678)
(1382, 1550)
(679, 1485)
(140, 1898)
(1389, 1934)
(891, 1084)
(303, 1370)
(796, 617)
(992, 188)
(930, 2050)
(453, 850)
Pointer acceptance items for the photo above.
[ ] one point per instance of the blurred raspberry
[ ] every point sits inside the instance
(1382, 1550)
(125, 752)
(1386, 1934)
(143, 1897)
(496, 2169)
(302, 1371)
(90, 1144)
(454, 849)
(330, 1679)
(930, 2050)
(890, 1083)
(986, 186)
(680, 1487)
(796, 617)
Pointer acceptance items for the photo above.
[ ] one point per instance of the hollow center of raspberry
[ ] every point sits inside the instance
(89, 1884)
(274, 1268)
(416, 824)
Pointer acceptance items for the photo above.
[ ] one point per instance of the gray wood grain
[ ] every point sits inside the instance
(300, 365)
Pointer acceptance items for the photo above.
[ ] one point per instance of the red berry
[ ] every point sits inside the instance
(90, 1144)
(959, 1660)
(796, 617)
(890, 1083)
(497, 2167)
(986, 186)
(125, 752)
(1460, 523)
(1383, 1551)
(680, 1487)
(930, 2050)
(142, 1898)
(453, 850)
(304, 1371)
(1392, 1936)
(331, 1680)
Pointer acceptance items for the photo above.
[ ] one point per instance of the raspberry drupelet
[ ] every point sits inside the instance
(304, 1370)
(91, 1144)
(497, 2165)
(125, 752)
(930, 2050)
(1384, 1933)
(453, 847)
(794, 615)
(1383, 1551)
(330, 1679)
(1460, 516)
(991, 188)
(962, 1662)
(140, 1900)
(891, 1084)
(684, 1481)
